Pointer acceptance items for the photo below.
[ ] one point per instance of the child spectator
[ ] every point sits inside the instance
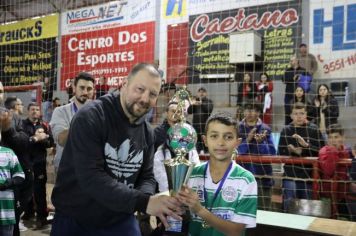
(222, 196)
(257, 140)
(329, 155)
(298, 139)
(11, 175)
(351, 199)
(264, 96)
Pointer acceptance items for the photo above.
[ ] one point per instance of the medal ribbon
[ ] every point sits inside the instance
(222, 181)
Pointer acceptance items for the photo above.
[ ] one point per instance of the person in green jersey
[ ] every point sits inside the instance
(221, 195)
(11, 175)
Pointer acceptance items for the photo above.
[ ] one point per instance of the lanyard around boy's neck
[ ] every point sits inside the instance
(222, 181)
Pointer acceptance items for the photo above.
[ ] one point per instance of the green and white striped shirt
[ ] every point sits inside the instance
(236, 202)
(9, 168)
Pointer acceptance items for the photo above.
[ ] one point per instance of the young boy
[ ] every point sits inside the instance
(11, 174)
(222, 196)
(329, 155)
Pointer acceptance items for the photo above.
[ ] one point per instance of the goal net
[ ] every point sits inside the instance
(284, 69)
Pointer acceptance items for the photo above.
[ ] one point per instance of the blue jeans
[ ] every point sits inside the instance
(6, 230)
(295, 190)
(65, 225)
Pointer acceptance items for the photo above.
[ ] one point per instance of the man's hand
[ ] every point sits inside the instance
(300, 140)
(40, 135)
(163, 206)
(5, 120)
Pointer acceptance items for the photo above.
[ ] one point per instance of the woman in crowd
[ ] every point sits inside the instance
(264, 96)
(246, 93)
(300, 96)
(325, 108)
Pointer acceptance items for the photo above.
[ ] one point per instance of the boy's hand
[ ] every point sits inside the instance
(300, 140)
(296, 150)
(261, 137)
(190, 198)
(251, 135)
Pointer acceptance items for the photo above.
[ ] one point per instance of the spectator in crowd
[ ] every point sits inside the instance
(351, 199)
(300, 96)
(164, 151)
(246, 91)
(290, 79)
(56, 103)
(257, 140)
(201, 109)
(83, 87)
(11, 175)
(70, 90)
(101, 88)
(329, 155)
(325, 108)
(14, 105)
(298, 139)
(307, 60)
(35, 128)
(264, 96)
(107, 164)
(13, 136)
(206, 193)
(47, 96)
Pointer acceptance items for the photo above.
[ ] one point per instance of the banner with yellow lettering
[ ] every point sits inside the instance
(29, 51)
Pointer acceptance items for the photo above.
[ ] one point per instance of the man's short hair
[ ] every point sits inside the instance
(335, 128)
(303, 45)
(298, 106)
(143, 66)
(32, 104)
(84, 76)
(10, 102)
(252, 106)
(225, 118)
(202, 89)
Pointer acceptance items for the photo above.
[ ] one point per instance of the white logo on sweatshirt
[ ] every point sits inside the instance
(125, 160)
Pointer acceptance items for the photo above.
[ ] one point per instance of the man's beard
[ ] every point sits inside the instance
(82, 99)
(131, 110)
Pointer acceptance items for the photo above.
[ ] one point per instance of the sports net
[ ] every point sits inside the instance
(248, 57)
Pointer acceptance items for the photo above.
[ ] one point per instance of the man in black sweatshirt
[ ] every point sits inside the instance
(106, 171)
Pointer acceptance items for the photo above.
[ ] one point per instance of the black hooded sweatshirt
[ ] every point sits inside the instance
(106, 171)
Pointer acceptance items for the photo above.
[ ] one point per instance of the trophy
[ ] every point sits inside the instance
(182, 139)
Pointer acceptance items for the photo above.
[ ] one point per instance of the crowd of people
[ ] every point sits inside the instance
(109, 161)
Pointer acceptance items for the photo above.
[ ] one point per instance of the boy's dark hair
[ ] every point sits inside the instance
(252, 106)
(84, 76)
(335, 128)
(298, 106)
(10, 102)
(32, 104)
(225, 118)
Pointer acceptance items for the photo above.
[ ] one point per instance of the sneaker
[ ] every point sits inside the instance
(22, 227)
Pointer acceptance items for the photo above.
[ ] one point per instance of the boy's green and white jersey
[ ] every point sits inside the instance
(236, 202)
(9, 168)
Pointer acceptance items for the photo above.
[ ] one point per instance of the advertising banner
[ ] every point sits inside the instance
(333, 38)
(108, 53)
(279, 26)
(28, 51)
(108, 15)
